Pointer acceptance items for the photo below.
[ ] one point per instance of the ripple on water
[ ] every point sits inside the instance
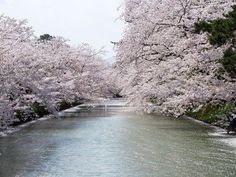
(115, 143)
(221, 135)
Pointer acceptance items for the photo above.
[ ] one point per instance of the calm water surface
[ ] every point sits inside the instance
(114, 142)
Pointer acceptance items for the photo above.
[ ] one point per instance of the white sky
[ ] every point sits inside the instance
(81, 21)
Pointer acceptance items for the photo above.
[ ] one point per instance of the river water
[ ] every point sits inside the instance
(113, 141)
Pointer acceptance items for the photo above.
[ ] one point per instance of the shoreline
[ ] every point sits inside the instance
(229, 139)
(11, 130)
(204, 123)
(218, 131)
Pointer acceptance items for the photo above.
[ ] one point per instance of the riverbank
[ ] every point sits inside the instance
(90, 105)
(215, 131)
(202, 122)
(216, 113)
(13, 129)
(17, 128)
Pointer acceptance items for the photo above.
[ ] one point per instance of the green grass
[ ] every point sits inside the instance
(211, 113)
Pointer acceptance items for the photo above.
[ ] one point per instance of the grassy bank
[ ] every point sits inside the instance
(213, 112)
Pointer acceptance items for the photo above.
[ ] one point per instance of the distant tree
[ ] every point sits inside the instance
(46, 37)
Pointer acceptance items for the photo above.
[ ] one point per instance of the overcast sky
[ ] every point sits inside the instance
(81, 21)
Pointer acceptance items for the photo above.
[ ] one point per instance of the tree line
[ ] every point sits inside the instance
(178, 57)
(42, 75)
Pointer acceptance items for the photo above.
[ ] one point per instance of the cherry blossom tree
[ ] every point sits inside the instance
(162, 65)
(45, 71)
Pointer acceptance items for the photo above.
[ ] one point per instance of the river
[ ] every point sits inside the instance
(113, 141)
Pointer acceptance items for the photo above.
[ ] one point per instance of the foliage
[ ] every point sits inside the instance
(76, 102)
(63, 105)
(44, 72)
(153, 100)
(220, 30)
(202, 26)
(39, 109)
(5, 114)
(210, 113)
(23, 116)
(160, 55)
(46, 37)
(229, 62)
